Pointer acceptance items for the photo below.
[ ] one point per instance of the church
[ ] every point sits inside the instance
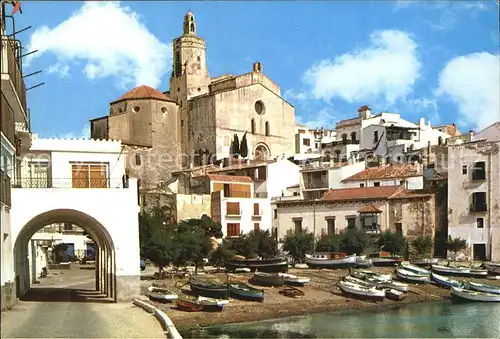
(195, 122)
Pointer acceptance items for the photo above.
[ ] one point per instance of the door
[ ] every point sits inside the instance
(479, 252)
(70, 250)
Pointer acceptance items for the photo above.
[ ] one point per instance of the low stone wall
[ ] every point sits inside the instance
(61, 266)
(8, 296)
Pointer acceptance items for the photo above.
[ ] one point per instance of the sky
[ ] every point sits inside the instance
(433, 59)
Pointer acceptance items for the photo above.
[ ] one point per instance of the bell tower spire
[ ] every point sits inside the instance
(189, 24)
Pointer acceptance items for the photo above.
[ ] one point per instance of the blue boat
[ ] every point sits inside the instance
(245, 292)
(444, 281)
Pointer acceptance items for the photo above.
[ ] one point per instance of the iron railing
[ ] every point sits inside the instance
(69, 183)
(5, 194)
(7, 121)
(14, 71)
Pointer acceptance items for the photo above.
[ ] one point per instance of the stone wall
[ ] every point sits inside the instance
(8, 296)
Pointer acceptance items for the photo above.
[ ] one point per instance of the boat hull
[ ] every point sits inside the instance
(291, 280)
(483, 288)
(292, 292)
(242, 294)
(462, 295)
(370, 295)
(188, 306)
(268, 266)
(444, 270)
(493, 269)
(412, 277)
(210, 292)
(415, 269)
(443, 281)
(425, 262)
(331, 263)
(267, 279)
(395, 295)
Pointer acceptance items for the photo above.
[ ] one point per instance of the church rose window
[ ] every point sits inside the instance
(259, 107)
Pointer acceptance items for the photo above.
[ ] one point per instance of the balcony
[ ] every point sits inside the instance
(13, 85)
(316, 184)
(7, 121)
(69, 183)
(5, 191)
(372, 229)
(478, 208)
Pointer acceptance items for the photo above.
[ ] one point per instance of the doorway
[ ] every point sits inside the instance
(479, 252)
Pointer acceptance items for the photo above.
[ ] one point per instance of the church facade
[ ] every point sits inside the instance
(195, 122)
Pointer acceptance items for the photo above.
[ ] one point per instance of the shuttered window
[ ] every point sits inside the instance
(233, 230)
(89, 175)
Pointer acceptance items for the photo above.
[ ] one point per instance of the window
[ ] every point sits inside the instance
(298, 225)
(337, 155)
(38, 175)
(178, 66)
(344, 138)
(351, 222)
(464, 169)
(233, 208)
(182, 123)
(276, 214)
(137, 160)
(68, 226)
(316, 145)
(227, 190)
(259, 107)
(267, 129)
(330, 225)
(440, 141)
(233, 230)
(353, 136)
(399, 228)
(252, 126)
(478, 202)
(480, 222)
(89, 175)
(256, 227)
(375, 136)
(256, 209)
(136, 109)
(376, 184)
(361, 185)
(479, 171)
(306, 142)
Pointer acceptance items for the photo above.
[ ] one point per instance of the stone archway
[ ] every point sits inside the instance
(261, 152)
(105, 259)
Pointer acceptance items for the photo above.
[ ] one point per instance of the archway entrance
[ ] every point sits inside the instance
(261, 152)
(25, 258)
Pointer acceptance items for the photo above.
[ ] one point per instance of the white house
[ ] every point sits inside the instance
(409, 175)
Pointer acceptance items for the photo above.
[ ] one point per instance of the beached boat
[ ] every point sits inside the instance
(292, 292)
(462, 294)
(363, 262)
(360, 291)
(493, 269)
(189, 305)
(444, 281)
(245, 292)
(414, 268)
(160, 293)
(482, 287)
(208, 288)
(361, 282)
(212, 305)
(450, 270)
(330, 260)
(290, 279)
(410, 276)
(394, 285)
(267, 279)
(425, 262)
(478, 272)
(365, 274)
(273, 265)
(384, 259)
(395, 295)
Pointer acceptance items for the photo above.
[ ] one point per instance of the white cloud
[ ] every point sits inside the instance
(387, 69)
(472, 82)
(112, 42)
(291, 94)
(324, 118)
(84, 133)
(59, 69)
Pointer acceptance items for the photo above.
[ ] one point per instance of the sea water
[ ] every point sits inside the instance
(426, 320)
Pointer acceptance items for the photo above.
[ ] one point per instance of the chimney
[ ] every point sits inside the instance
(471, 135)
(221, 165)
(421, 123)
(257, 67)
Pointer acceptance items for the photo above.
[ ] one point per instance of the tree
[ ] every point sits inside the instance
(194, 243)
(355, 241)
(210, 227)
(235, 146)
(329, 243)
(263, 243)
(221, 254)
(244, 146)
(422, 246)
(392, 242)
(298, 244)
(456, 245)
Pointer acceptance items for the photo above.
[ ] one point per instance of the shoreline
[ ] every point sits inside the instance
(321, 296)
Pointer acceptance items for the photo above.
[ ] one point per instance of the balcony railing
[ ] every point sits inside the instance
(372, 229)
(316, 184)
(69, 183)
(478, 208)
(14, 71)
(5, 196)
(7, 121)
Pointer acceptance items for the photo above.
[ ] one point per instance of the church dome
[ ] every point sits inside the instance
(144, 92)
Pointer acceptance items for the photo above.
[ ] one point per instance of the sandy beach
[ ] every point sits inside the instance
(321, 295)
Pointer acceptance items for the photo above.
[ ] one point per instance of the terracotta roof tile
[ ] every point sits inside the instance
(230, 178)
(144, 92)
(361, 193)
(244, 166)
(370, 208)
(363, 108)
(386, 172)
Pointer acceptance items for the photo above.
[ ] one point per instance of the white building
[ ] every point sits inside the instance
(474, 194)
(308, 140)
(409, 175)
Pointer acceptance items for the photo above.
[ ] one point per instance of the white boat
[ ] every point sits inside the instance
(450, 270)
(290, 279)
(482, 287)
(463, 294)
(361, 292)
(425, 262)
(403, 274)
(395, 295)
(444, 281)
(360, 282)
(161, 293)
(413, 268)
(329, 260)
(367, 274)
(395, 285)
(362, 261)
(478, 272)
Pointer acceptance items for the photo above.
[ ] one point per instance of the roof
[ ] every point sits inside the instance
(198, 170)
(244, 166)
(144, 92)
(386, 172)
(230, 178)
(363, 108)
(361, 193)
(370, 208)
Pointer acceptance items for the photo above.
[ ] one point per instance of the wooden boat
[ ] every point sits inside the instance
(478, 272)
(410, 276)
(363, 262)
(444, 281)
(384, 259)
(290, 279)
(395, 295)
(493, 269)
(160, 293)
(395, 285)
(292, 292)
(208, 288)
(273, 265)
(188, 305)
(482, 287)
(450, 270)
(360, 282)
(364, 274)
(414, 268)
(212, 305)
(462, 294)
(245, 292)
(425, 262)
(330, 260)
(361, 292)
(267, 279)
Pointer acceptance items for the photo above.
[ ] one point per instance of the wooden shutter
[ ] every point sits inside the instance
(256, 209)
(98, 176)
(80, 176)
